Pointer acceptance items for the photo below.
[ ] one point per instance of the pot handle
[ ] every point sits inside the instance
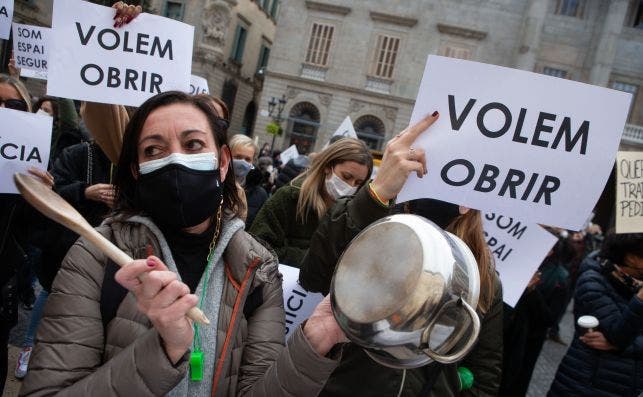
(465, 349)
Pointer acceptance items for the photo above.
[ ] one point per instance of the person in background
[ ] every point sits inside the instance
(265, 150)
(291, 215)
(608, 360)
(244, 157)
(292, 170)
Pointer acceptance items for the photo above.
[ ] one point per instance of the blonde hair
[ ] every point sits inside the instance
(313, 195)
(469, 228)
(17, 84)
(245, 141)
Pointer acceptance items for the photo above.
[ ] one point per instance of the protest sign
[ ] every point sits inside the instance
(629, 192)
(33, 74)
(289, 154)
(24, 143)
(6, 16)
(198, 85)
(298, 303)
(30, 46)
(346, 129)
(91, 60)
(518, 249)
(516, 142)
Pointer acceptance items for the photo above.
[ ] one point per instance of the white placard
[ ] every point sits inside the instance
(91, 60)
(346, 129)
(629, 192)
(518, 249)
(198, 85)
(30, 46)
(298, 303)
(6, 16)
(528, 145)
(24, 143)
(33, 74)
(289, 154)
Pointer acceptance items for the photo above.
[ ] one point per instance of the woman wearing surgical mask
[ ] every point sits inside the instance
(244, 156)
(289, 218)
(176, 213)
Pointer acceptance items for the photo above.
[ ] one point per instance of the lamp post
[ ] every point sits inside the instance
(275, 108)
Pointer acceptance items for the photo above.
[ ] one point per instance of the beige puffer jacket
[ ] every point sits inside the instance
(72, 357)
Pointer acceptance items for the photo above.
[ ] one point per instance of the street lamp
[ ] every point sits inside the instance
(277, 105)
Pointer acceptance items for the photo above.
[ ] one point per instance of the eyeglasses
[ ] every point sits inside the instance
(15, 104)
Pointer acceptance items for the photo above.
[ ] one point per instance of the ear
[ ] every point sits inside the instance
(134, 171)
(463, 210)
(224, 162)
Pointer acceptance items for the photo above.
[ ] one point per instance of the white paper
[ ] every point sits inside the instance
(24, 143)
(629, 192)
(30, 46)
(109, 63)
(198, 85)
(289, 154)
(33, 74)
(6, 16)
(346, 129)
(518, 249)
(581, 177)
(298, 303)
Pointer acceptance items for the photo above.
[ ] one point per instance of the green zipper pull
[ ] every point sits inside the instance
(196, 366)
(466, 378)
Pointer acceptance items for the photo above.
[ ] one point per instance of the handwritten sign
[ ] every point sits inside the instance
(33, 74)
(6, 16)
(91, 60)
(298, 303)
(30, 46)
(516, 142)
(629, 192)
(289, 154)
(518, 249)
(24, 143)
(198, 85)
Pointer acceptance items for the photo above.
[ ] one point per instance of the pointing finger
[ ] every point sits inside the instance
(412, 133)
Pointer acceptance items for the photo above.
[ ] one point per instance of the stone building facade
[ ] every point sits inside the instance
(365, 59)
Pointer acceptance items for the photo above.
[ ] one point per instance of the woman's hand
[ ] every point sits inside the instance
(101, 192)
(321, 329)
(400, 159)
(164, 300)
(596, 340)
(125, 13)
(44, 176)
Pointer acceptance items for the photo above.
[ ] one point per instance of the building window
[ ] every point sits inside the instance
(321, 36)
(266, 5)
(264, 54)
(370, 129)
(626, 87)
(555, 72)
(174, 10)
(229, 94)
(570, 8)
(249, 117)
(274, 9)
(384, 57)
(303, 123)
(239, 43)
(635, 14)
(456, 52)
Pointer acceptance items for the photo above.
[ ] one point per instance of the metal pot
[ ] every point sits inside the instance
(406, 291)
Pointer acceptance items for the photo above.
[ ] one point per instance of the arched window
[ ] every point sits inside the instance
(303, 123)
(229, 94)
(371, 130)
(249, 119)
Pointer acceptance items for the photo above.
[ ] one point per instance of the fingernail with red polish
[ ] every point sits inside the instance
(434, 114)
(151, 262)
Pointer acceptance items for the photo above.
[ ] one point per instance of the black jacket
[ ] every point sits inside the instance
(256, 195)
(589, 372)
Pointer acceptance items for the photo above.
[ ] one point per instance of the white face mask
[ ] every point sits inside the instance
(337, 187)
(198, 162)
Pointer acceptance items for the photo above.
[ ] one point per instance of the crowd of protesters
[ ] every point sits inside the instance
(208, 216)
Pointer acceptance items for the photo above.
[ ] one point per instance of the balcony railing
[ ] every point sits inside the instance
(633, 134)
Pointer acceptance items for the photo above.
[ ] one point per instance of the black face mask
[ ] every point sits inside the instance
(179, 197)
(439, 212)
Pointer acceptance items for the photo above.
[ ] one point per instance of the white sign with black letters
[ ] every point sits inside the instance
(629, 192)
(30, 46)
(198, 85)
(24, 143)
(33, 74)
(531, 146)
(91, 60)
(6, 16)
(518, 249)
(298, 303)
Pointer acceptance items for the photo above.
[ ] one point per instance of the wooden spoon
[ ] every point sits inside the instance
(45, 200)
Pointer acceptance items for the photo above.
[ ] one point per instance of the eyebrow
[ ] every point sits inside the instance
(159, 137)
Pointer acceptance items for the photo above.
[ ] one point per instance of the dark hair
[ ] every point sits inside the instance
(616, 246)
(126, 202)
(46, 98)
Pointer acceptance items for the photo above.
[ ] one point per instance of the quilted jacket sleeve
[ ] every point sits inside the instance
(68, 357)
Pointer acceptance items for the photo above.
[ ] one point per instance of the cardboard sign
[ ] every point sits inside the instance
(289, 154)
(91, 60)
(6, 16)
(24, 143)
(518, 249)
(298, 303)
(629, 192)
(198, 85)
(30, 46)
(517, 142)
(33, 74)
